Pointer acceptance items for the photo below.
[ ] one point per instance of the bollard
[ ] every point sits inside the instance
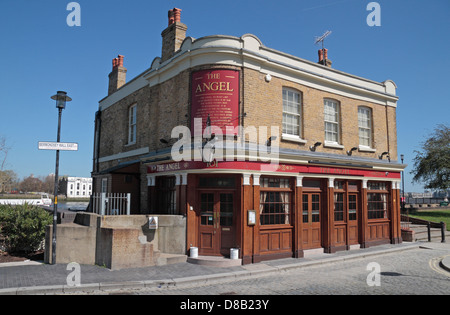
(443, 228)
(429, 231)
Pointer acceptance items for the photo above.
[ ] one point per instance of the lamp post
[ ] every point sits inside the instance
(61, 99)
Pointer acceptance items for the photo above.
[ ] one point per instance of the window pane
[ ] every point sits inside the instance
(352, 207)
(377, 206)
(275, 206)
(339, 207)
(291, 112)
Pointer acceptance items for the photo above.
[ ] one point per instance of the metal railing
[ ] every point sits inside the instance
(111, 203)
(406, 220)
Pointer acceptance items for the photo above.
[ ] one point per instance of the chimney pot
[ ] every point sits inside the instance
(120, 60)
(323, 58)
(171, 17)
(177, 14)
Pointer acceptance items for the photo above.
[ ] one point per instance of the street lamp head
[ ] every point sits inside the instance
(61, 98)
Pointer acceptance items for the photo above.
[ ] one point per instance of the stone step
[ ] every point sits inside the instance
(169, 259)
(215, 261)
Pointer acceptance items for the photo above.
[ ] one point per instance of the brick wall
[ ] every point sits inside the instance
(264, 107)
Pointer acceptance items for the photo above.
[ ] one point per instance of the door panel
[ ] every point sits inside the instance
(353, 236)
(208, 238)
(226, 222)
(216, 226)
(311, 230)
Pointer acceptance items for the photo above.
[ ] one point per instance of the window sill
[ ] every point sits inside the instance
(292, 138)
(363, 148)
(333, 145)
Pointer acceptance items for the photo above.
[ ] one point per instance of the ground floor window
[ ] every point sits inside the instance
(377, 205)
(166, 195)
(377, 200)
(275, 201)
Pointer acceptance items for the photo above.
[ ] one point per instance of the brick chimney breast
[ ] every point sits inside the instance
(117, 77)
(173, 36)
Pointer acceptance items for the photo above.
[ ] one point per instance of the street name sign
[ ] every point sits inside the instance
(62, 146)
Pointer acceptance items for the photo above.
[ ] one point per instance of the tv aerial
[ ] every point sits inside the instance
(321, 39)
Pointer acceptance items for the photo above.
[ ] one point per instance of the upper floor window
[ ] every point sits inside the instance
(331, 118)
(292, 112)
(132, 124)
(365, 126)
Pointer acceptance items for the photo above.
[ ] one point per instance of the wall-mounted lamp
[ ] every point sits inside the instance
(383, 154)
(163, 141)
(313, 147)
(269, 141)
(349, 153)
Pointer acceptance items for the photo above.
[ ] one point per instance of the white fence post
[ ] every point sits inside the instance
(102, 203)
(128, 203)
(111, 204)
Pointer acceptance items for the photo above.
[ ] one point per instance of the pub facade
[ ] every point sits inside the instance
(257, 149)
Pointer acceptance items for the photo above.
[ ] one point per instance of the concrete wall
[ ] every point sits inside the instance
(116, 241)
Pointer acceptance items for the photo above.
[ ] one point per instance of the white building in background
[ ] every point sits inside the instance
(76, 187)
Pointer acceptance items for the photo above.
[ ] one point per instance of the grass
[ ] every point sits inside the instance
(441, 215)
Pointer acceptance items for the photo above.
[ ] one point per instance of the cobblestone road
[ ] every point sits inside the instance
(409, 272)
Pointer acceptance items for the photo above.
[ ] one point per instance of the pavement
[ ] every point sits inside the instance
(36, 278)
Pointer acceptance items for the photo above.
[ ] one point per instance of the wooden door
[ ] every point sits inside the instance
(311, 231)
(216, 226)
(353, 235)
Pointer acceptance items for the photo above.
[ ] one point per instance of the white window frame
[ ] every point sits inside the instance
(328, 123)
(104, 188)
(365, 123)
(132, 128)
(295, 131)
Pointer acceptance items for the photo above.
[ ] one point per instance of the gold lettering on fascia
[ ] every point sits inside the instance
(214, 86)
(168, 167)
(339, 171)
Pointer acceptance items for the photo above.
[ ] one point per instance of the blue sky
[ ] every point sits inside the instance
(40, 54)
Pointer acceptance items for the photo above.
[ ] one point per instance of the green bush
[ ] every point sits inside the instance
(23, 226)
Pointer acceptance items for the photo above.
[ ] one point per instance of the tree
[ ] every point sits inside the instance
(31, 184)
(4, 149)
(432, 164)
(7, 180)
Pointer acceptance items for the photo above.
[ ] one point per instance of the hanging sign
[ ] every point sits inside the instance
(215, 93)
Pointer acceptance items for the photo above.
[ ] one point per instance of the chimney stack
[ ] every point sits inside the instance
(173, 35)
(323, 60)
(117, 77)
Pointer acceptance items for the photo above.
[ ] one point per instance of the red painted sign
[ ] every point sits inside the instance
(215, 93)
(266, 167)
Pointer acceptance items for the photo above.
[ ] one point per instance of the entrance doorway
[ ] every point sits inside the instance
(311, 230)
(216, 222)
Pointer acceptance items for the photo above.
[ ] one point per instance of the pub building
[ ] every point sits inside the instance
(254, 148)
